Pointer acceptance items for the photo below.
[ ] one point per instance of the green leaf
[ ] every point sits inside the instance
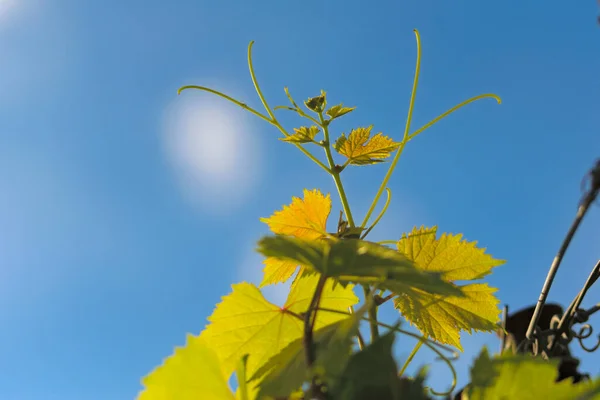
(373, 374)
(442, 319)
(357, 261)
(246, 323)
(192, 372)
(316, 104)
(287, 371)
(523, 377)
(302, 135)
(362, 150)
(339, 110)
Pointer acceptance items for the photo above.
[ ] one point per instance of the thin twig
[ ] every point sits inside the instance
(380, 300)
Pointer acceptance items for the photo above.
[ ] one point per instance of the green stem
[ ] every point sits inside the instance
(405, 137)
(335, 174)
(386, 298)
(338, 183)
(372, 315)
(410, 357)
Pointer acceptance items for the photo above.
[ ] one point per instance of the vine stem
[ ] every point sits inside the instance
(309, 325)
(334, 173)
(343, 198)
(372, 314)
(386, 298)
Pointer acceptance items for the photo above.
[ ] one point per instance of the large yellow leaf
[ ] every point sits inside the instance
(304, 218)
(360, 150)
(443, 317)
(285, 372)
(246, 323)
(454, 258)
(193, 372)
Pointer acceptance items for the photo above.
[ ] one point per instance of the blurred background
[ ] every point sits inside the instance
(127, 211)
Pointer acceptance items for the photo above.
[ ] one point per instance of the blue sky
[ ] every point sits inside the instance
(120, 231)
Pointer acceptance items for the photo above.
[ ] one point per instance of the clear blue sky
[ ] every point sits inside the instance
(119, 232)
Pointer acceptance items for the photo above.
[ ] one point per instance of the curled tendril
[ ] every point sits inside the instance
(288, 108)
(407, 135)
(585, 332)
(270, 118)
(229, 98)
(383, 210)
(435, 347)
(455, 108)
(432, 345)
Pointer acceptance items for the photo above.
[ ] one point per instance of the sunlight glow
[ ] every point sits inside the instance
(213, 151)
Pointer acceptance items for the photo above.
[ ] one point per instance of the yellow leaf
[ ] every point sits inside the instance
(246, 323)
(304, 218)
(192, 372)
(277, 271)
(361, 150)
(339, 110)
(454, 258)
(302, 135)
(442, 318)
